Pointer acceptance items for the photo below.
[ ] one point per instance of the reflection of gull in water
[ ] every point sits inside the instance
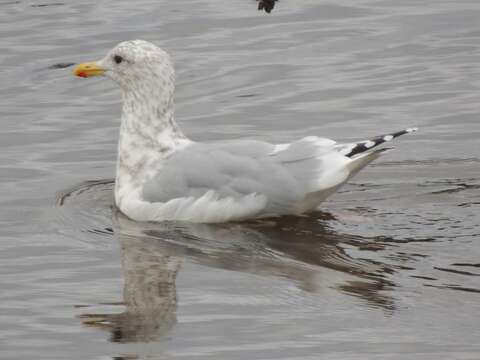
(149, 293)
(301, 249)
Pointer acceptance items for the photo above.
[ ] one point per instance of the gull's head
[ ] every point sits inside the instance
(134, 65)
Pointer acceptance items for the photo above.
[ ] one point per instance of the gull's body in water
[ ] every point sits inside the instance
(162, 175)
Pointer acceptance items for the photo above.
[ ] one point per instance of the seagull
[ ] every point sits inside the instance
(162, 175)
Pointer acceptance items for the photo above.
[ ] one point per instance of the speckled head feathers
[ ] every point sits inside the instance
(138, 64)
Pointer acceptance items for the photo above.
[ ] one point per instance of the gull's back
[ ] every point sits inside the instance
(243, 179)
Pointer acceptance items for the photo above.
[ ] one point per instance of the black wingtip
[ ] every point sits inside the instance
(366, 145)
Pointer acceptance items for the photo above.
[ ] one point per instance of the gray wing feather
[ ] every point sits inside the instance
(232, 171)
(284, 174)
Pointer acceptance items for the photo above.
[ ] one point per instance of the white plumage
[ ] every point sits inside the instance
(162, 175)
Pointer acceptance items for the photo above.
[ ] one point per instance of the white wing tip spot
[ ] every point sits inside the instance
(368, 144)
(410, 130)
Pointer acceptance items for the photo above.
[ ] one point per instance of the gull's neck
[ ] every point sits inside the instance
(148, 135)
(150, 120)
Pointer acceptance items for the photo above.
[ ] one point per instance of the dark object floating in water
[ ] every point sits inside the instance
(45, 5)
(266, 5)
(61, 65)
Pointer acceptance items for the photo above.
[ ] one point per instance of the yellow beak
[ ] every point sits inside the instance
(88, 69)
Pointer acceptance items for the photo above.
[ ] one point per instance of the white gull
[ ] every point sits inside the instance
(163, 175)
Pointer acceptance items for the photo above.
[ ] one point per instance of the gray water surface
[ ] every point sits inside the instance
(389, 269)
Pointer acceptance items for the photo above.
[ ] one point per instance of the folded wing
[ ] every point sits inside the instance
(235, 180)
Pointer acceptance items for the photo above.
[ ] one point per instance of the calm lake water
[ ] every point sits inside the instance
(390, 269)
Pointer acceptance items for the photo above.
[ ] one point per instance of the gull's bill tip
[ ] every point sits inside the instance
(88, 69)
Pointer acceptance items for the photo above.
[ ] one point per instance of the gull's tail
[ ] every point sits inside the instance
(350, 150)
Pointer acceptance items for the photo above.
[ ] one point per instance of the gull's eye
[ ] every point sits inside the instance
(118, 59)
